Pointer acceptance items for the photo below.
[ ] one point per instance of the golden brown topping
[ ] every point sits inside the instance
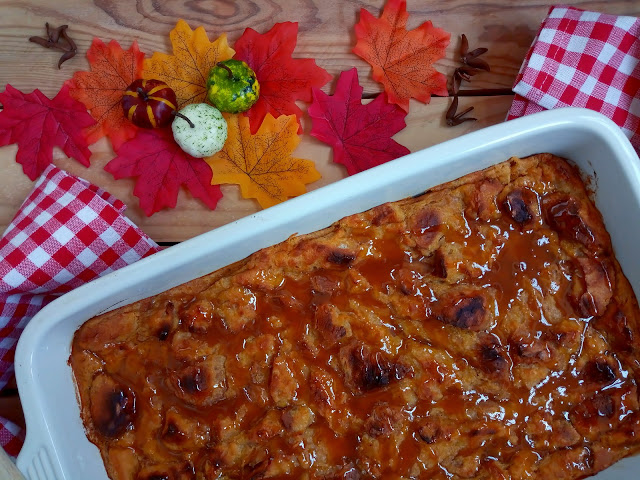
(599, 278)
(483, 200)
(203, 383)
(426, 227)
(463, 465)
(180, 432)
(434, 429)
(341, 256)
(383, 215)
(383, 420)
(332, 325)
(187, 347)
(297, 419)
(268, 426)
(125, 461)
(166, 472)
(563, 215)
(323, 285)
(493, 357)
(365, 370)
(545, 432)
(575, 221)
(322, 387)
(113, 406)
(516, 205)
(154, 474)
(161, 322)
(236, 307)
(283, 386)
(599, 371)
(594, 413)
(532, 351)
(618, 330)
(198, 316)
(439, 265)
(467, 313)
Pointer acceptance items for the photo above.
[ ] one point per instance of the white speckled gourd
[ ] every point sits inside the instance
(208, 134)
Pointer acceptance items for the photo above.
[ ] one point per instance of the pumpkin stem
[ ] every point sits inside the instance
(220, 64)
(185, 118)
(142, 94)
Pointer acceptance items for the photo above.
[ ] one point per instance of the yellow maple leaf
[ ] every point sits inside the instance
(262, 163)
(187, 70)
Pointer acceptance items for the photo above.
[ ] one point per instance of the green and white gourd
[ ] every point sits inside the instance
(208, 134)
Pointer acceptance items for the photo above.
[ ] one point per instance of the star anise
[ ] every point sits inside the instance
(471, 57)
(454, 118)
(472, 66)
(462, 73)
(53, 40)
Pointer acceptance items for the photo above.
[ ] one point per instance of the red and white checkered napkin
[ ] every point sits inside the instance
(583, 59)
(66, 233)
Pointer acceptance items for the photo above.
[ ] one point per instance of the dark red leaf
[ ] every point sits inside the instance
(359, 134)
(283, 79)
(38, 124)
(160, 167)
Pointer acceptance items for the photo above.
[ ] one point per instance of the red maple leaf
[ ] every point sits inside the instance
(283, 79)
(160, 166)
(359, 134)
(402, 59)
(112, 71)
(38, 124)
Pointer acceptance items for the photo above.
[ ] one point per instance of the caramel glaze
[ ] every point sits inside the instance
(483, 330)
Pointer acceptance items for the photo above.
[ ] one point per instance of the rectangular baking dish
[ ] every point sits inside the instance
(56, 446)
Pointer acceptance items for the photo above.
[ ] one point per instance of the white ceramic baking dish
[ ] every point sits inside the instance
(56, 447)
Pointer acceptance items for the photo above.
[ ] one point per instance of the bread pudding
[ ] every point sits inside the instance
(483, 329)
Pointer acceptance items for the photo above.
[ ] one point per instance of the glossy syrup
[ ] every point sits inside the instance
(506, 388)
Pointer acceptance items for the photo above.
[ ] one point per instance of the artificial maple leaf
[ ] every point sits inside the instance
(160, 166)
(262, 163)
(187, 70)
(101, 89)
(402, 59)
(37, 124)
(283, 79)
(359, 134)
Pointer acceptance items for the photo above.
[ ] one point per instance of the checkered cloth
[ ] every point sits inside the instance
(583, 59)
(66, 233)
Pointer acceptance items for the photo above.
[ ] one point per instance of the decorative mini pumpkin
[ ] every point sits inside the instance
(232, 86)
(200, 130)
(149, 103)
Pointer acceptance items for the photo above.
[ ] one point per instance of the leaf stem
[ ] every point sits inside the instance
(185, 118)
(142, 94)
(220, 64)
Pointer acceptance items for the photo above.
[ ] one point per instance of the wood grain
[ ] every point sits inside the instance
(326, 30)
(8, 470)
(326, 34)
(425, 127)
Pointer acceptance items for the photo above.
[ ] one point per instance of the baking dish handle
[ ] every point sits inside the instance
(34, 461)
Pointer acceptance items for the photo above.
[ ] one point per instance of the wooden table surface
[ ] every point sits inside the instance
(326, 34)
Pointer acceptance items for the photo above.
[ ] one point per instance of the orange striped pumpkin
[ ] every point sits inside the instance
(149, 103)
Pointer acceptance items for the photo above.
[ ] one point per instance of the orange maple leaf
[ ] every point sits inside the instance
(187, 70)
(101, 89)
(262, 163)
(402, 59)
